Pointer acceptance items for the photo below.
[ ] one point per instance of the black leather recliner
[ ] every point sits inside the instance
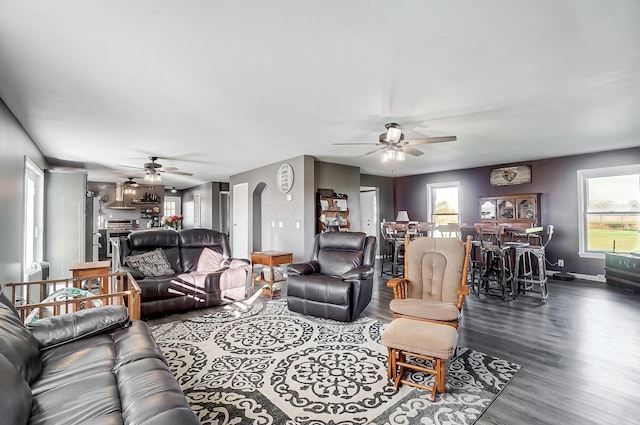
(338, 280)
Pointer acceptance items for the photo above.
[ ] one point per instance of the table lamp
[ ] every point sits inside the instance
(402, 217)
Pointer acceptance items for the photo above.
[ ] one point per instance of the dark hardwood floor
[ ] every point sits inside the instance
(579, 351)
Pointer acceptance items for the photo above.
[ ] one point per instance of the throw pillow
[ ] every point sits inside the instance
(153, 263)
(209, 260)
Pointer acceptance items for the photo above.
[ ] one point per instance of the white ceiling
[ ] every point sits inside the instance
(217, 88)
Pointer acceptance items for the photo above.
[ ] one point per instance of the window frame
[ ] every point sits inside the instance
(430, 198)
(582, 179)
(171, 199)
(32, 173)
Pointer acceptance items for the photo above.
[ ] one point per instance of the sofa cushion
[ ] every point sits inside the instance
(17, 344)
(153, 263)
(147, 240)
(15, 395)
(87, 399)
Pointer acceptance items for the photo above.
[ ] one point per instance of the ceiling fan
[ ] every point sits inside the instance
(130, 183)
(153, 169)
(394, 146)
(130, 186)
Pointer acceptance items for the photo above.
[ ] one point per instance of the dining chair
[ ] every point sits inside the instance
(451, 230)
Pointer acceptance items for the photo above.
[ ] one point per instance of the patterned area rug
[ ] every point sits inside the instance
(267, 365)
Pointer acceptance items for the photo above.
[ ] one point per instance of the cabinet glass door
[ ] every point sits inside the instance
(526, 209)
(488, 209)
(505, 208)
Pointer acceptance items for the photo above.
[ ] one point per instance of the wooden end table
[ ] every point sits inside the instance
(93, 269)
(269, 259)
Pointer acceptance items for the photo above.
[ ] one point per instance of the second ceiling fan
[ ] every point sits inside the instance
(394, 146)
(153, 169)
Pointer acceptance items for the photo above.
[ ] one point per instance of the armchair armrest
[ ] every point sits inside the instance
(463, 290)
(361, 272)
(400, 287)
(57, 330)
(239, 263)
(136, 274)
(303, 268)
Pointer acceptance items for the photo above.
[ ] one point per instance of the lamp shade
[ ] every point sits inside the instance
(402, 216)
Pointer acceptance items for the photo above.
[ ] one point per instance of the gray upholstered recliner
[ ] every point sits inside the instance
(338, 280)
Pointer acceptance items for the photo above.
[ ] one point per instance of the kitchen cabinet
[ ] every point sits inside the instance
(333, 212)
(522, 208)
(149, 205)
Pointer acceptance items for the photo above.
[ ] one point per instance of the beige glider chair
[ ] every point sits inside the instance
(435, 281)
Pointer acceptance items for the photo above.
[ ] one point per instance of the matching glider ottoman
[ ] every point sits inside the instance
(424, 340)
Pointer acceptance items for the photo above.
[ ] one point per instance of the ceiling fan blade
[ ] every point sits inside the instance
(182, 173)
(353, 144)
(129, 166)
(425, 140)
(411, 151)
(369, 153)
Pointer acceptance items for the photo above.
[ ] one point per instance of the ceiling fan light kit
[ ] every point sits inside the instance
(152, 176)
(392, 154)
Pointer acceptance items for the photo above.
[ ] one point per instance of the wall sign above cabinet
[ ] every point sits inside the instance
(510, 175)
(284, 178)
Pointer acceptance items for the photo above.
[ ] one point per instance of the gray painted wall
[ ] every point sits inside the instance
(385, 195)
(297, 215)
(555, 179)
(15, 144)
(386, 209)
(206, 207)
(209, 205)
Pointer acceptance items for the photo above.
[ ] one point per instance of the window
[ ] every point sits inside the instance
(609, 210)
(443, 203)
(172, 205)
(33, 218)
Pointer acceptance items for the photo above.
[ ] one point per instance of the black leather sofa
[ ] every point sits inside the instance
(338, 280)
(188, 288)
(89, 367)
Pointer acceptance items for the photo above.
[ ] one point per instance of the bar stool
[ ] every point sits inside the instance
(526, 277)
(491, 262)
(495, 270)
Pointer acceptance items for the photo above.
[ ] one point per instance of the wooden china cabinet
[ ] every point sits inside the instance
(523, 209)
(332, 211)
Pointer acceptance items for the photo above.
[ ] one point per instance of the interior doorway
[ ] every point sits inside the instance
(240, 234)
(369, 211)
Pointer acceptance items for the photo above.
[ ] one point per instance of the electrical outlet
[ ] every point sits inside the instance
(560, 262)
